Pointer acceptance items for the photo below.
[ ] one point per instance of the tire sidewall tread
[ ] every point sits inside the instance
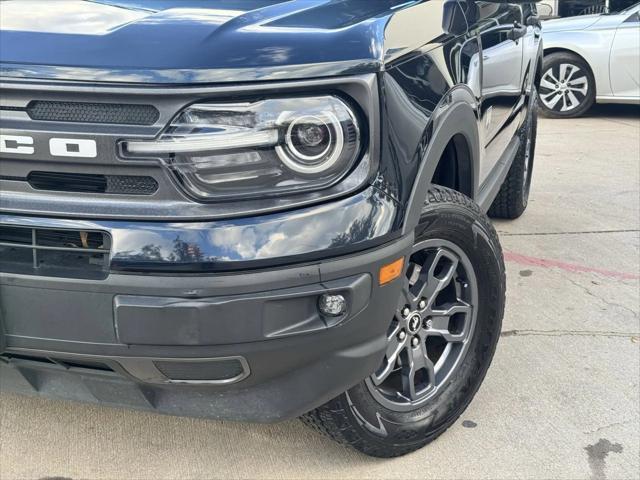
(513, 198)
(448, 215)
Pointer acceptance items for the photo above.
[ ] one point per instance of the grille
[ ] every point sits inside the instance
(213, 370)
(111, 113)
(54, 253)
(84, 364)
(90, 183)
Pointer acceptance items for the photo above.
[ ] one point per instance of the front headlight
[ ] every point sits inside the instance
(263, 148)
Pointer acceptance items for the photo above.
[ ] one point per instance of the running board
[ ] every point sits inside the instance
(495, 179)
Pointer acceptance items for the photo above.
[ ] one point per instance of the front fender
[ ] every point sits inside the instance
(455, 115)
(424, 104)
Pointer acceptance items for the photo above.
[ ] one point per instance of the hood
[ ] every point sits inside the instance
(179, 40)
(571, 23)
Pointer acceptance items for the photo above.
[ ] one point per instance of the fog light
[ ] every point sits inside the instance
(332, 305)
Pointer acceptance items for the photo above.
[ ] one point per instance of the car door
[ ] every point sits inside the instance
(500, 30)
(625, 58)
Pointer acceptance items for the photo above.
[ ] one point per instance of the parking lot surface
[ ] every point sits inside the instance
(561, 399)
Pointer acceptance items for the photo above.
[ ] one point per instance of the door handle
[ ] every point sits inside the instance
(517, 32)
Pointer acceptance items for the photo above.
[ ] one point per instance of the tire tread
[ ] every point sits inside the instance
(509, 203)
(332, 420)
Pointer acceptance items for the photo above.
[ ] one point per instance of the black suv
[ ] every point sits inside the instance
(260, 209)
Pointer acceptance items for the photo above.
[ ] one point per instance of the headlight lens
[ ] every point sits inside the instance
(263, 148)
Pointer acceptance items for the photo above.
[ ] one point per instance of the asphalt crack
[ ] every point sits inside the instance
(568, 333)
(583, 232)
(609, 425)
(601, 299)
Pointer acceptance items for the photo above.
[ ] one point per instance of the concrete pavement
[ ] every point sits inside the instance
(560, 401)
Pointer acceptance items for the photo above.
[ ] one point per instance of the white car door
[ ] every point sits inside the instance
(625, 58)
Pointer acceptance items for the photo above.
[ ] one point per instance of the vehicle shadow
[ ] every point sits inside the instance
(614, 110)
(162, 446)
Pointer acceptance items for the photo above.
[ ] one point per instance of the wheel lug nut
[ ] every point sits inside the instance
(402, 335)
(428, 323)
(405, 312)
(415, 341)
(422, 304)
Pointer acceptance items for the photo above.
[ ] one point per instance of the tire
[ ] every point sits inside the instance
(559, 99)
(379, 422)
(513, 197)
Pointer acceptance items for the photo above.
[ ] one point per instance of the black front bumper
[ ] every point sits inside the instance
(136, 339)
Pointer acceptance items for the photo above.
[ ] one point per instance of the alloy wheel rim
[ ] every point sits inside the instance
(564, 87)
(431, 329)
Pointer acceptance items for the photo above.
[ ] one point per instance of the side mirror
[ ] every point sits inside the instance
(533, 22)
(517, 32)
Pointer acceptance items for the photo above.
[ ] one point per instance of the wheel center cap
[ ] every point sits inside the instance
(414, 323)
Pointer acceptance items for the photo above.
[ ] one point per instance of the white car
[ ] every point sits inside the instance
(594, 58)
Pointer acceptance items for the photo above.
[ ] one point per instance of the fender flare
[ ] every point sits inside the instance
(455, 115)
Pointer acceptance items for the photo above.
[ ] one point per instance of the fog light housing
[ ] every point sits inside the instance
(332, 305)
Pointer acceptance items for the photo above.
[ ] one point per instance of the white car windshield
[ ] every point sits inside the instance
(629, 9)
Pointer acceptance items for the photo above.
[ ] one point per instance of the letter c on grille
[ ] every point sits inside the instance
(72, 147)
(16, 144)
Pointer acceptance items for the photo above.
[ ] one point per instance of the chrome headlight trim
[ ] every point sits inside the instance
(204, 143)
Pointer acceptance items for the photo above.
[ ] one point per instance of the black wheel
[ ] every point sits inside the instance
(439, 343)
(513, 196)
(568, 88)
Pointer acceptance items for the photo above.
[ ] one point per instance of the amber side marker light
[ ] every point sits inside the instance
(391, 271)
